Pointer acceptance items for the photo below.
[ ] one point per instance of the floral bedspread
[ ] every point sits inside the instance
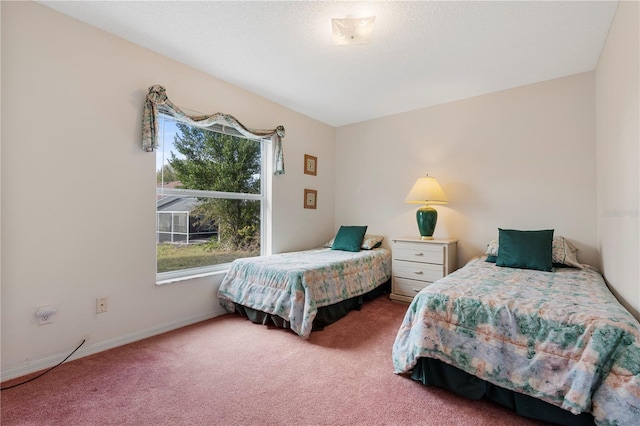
(294, 285)
(559, 336)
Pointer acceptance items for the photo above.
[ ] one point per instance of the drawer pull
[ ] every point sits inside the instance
(418, 272)
(416, 290)
(418, 254)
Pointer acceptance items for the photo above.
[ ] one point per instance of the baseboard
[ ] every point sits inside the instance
(93, 348)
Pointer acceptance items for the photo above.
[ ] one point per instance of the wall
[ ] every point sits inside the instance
(78, 192)
(617, 141)
(522, 158)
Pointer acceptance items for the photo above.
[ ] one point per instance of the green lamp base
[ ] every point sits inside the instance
(427, 218)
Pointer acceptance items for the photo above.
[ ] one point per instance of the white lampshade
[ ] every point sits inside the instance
(426, 190)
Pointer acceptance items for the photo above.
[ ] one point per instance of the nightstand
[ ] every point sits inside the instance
(417, 263)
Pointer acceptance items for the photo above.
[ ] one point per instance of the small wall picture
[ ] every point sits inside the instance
(310, 165)
(310, 198)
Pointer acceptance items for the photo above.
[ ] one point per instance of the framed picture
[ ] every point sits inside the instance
(310, 198)
(310, 165)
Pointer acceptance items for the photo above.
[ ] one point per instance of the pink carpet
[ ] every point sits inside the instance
(228, 371)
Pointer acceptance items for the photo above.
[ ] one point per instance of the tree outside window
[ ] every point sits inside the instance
(212, 182)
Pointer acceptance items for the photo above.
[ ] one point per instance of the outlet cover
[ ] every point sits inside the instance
(101, 305)
(45, 315)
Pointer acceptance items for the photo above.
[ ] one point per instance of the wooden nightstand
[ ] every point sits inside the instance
(417, 263)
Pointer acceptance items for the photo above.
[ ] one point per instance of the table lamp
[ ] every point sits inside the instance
(426, 191)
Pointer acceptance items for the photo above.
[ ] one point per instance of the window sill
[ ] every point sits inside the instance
(190, 274)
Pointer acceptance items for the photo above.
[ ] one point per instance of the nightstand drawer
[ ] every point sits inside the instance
(418, 271)
(417, 252)
(409, 288)
(417, 263)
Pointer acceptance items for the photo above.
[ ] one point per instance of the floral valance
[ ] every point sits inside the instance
(157, 102)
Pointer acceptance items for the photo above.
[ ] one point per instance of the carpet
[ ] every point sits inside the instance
(229, 371)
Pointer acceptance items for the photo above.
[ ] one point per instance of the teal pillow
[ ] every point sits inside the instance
(349, 238)
(525, 249)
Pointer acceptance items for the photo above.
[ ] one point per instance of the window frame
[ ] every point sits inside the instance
(266, 154)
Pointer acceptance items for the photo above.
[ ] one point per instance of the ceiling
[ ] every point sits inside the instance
(423, 53)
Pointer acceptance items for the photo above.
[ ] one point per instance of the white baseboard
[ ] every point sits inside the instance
(93, 348)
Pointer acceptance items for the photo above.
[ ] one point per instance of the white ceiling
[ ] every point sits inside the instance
(423, 53)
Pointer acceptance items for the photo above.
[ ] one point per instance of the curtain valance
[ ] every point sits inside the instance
(157, 101)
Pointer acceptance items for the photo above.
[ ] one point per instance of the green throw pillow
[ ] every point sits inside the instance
(349, 238)
(525, 249)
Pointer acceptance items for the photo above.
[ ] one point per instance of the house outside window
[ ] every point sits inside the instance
(210, 199)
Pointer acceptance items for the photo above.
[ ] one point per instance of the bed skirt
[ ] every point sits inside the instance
(434, 372)
(326, 315)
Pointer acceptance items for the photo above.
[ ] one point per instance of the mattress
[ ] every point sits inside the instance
(294, 285)
(560, 336)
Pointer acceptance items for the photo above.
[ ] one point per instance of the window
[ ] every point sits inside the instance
(210, 198)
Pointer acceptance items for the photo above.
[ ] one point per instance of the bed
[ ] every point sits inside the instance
(552, 344)
(306, 290)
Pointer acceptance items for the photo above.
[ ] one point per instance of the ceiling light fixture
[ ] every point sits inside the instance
(352, 30)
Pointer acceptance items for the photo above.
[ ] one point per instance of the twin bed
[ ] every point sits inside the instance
(306, 290)
(554, 344)
(527, 325)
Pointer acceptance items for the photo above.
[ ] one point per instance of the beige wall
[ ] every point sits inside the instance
(618, 153)
(522, 158)
(78, 192)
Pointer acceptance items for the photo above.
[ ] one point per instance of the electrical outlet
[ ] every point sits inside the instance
(45, 315)
(45, 319)
(101, 305)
